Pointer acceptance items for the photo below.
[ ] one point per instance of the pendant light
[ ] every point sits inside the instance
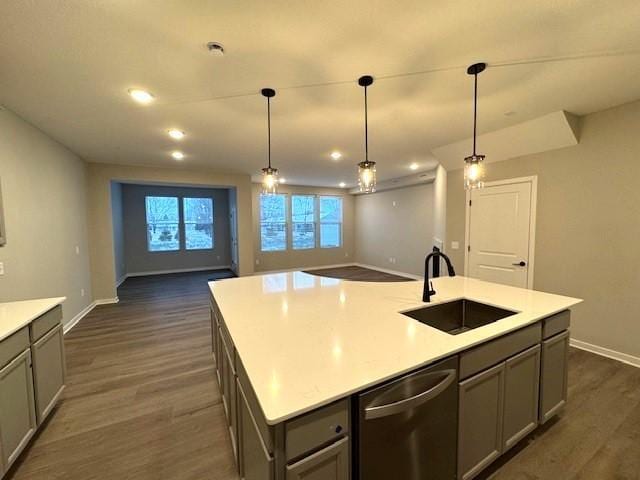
(269, 174)
(473, 164)
(366, 169)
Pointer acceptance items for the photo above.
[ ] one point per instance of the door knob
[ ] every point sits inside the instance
(521, 263)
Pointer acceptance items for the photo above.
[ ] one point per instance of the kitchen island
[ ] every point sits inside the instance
(295, 352)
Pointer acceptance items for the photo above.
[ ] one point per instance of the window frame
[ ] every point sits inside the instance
(287, 217)
(288, 224)
(146, 218)
(340, 223)
(315, 221)
(184, 224)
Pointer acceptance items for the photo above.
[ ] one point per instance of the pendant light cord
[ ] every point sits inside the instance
(269, 128)
(366, 127)
(475, 110)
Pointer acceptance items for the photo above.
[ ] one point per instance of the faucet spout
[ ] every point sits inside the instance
(427, 289)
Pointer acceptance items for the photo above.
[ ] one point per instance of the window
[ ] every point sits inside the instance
(330, 222)
(273, 222)
(163, 221)
(303, 222)
(198, 223)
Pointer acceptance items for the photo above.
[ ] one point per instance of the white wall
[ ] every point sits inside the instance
(588, 225)
(44, 194)
(117, 216)
(394, 229)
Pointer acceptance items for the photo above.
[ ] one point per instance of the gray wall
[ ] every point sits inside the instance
(394, 228)
(43, 187)
(118, 231)
(139, 260)
(588, 225)
(289, 259)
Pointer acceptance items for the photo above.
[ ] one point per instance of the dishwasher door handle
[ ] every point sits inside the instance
(414, 401)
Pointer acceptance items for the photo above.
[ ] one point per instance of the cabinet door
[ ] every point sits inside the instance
(219, 356)
(481, 404)
(48, 371)
(553, 375)
(330, 463)
(255, 461)
(521, 382)
(229, 396)
(17, 407)
(214, 332)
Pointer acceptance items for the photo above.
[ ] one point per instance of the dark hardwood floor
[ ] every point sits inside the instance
(142, 402)
(360, 274)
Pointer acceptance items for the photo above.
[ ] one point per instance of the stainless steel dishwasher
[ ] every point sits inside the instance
(408, 428)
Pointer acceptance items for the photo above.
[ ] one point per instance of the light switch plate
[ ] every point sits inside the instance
(1, 268)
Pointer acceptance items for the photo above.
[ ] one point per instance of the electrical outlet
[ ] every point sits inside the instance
(1, 268)
(257, 261)
(346, 254)
(218, 257)
(77, 250)
(455, 245)
(82, 292)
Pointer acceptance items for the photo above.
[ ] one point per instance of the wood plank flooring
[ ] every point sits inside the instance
(360, 274)
(142, 402)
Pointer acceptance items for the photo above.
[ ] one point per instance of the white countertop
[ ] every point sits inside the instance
(15, 315)
(306, 341)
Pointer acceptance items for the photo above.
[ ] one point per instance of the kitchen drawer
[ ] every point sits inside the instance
(13, 346)
(329, 463)
(45, 322)
(316, 429)
(555, 324)
(491, 353)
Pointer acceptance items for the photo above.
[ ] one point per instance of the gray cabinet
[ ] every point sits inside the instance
(229, 389)
(17, 408)
(553, 375)
(256, 463)
(48, 371)
(481, 407)
(329, 463)
(521, 380)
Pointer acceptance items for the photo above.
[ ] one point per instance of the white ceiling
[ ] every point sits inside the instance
(66, 65)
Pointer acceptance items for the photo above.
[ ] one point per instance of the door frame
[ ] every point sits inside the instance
(533, 180)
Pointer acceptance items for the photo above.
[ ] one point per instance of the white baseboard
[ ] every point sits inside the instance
(177, 270)
(74, 321)
(606, 352)
(85, 311)
(392, 272)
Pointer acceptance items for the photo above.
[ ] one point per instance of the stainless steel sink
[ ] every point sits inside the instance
(458, 316)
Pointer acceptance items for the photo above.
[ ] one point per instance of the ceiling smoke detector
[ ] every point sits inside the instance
(215, 48)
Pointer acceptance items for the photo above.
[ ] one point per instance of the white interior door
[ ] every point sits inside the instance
(500, 233)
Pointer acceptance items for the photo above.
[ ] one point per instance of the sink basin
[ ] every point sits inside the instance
(458, 316)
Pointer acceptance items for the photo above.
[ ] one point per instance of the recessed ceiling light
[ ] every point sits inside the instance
(342, 184)
(178, 155)
(413, 166)
(175, 133)
(283, 180)
(141, 96)
(510, 113)
(336, 155)
(215, 48)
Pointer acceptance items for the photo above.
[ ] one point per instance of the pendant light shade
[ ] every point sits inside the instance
(474, 163)
(269, 174)
(366, 169)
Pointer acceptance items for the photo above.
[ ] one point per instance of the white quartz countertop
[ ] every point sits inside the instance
(15, 315)
(306, 340)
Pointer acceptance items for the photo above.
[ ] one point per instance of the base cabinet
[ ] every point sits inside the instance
(521, 387)
(17, 408)
(48, 371)
(256, 463)
(330, 463)
(481, 408)
(553, 375)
